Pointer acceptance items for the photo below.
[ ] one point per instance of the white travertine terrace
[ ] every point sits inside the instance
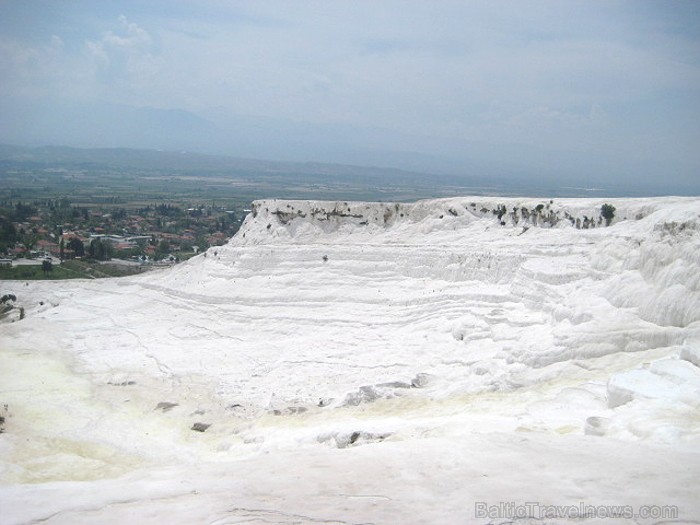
(367, 363)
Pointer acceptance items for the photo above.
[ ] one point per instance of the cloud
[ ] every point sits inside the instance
(14, 54)
(125, 58)
(31, 70)
(603, 77)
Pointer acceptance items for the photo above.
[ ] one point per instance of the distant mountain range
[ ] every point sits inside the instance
(188, 162)
(100, 125)
(123, 135)
(184, 162)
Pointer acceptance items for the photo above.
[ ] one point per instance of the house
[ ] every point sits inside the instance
(48, 246)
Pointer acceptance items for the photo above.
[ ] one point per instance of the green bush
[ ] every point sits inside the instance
(607, 211)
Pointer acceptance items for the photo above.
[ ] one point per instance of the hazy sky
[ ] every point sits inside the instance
(614, 82)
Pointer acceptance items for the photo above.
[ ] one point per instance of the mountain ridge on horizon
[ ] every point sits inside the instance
(104, 125)
(219, 165)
